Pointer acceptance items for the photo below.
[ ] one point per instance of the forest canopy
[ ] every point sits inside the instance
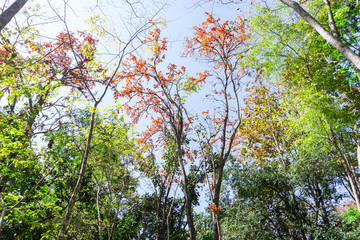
(246, 128)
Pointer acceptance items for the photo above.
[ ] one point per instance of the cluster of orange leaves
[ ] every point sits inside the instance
(63, 60)
(213, 208)
(7, 53)
(153, 91)
(213, 39)
(67, 59)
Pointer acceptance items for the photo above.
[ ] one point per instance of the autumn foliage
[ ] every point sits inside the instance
(218, 42)
(222, 46)
(156, 92)
(263, 122)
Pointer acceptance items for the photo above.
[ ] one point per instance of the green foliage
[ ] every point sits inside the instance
(142, 220)
(298, 134)
(351, 216)
(203, 225)
(350, 224)
(272, 204)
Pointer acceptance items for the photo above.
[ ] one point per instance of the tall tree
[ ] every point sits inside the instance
(87, 74)
(161, 94)
(28, 87)
(108, 183)
(223, 46)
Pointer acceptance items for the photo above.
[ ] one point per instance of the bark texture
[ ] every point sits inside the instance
(10, 12)
(187, 196)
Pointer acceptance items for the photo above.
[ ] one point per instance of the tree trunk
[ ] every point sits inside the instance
(216, 200)
(98, 211)
(80, 178)
(188, 197)
(358, 152)
(3, 211)
(10, 12)
(169, 213)
(354, 189)
(335, 42)
(216, 225)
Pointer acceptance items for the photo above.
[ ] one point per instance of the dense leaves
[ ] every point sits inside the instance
(274, 143)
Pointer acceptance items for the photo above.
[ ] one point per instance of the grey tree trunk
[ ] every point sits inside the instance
(216, 224)
(334, 41)
(187, 196)
(3, 211)
(10, 12)
(98, 211)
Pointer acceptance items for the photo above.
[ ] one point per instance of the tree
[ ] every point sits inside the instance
(164, 178)
(223, 46)
(88, 73)
(332, 37)
(315, 90)
(270, 203)
(263, 135)
(27, 89)
(162, 95)
(140, 221)
(108, 169)
(68, 64)
(267, 142)
(108, 182)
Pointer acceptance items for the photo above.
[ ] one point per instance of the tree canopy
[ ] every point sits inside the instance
(246, 128)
